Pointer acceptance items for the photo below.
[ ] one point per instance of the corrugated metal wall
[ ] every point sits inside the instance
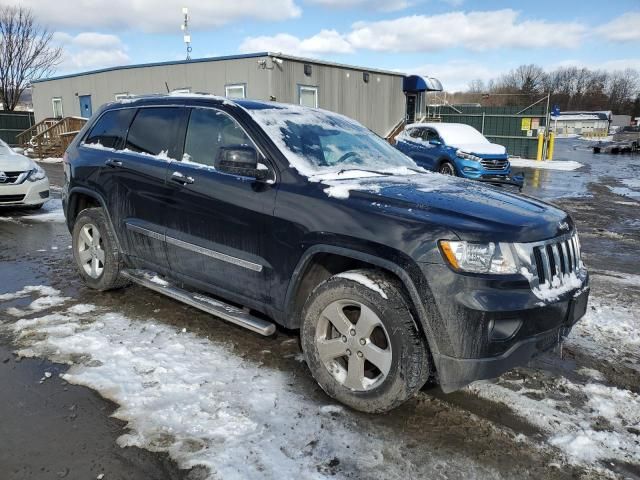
(210, 77)
(378, 104)
(516, 128)
(12, 123)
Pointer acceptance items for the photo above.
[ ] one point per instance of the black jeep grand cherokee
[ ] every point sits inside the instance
(261, 212)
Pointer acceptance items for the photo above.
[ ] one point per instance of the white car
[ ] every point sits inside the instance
(23, 183)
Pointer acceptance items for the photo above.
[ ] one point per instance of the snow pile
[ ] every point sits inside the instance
(576, 428)
(49, 160)
(163, 155)
(364, 280)
(608, 331)
(50, 212)
(49, 297)
(205, 405)
(560, 165)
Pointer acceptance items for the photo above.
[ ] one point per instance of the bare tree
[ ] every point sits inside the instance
(26, 53)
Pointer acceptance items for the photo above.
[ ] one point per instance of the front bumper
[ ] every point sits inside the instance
(25, 194)
(487, 326)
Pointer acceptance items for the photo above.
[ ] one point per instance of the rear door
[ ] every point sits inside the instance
(134, 181)
(216, 221)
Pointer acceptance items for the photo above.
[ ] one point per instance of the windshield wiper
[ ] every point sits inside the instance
(377, 172)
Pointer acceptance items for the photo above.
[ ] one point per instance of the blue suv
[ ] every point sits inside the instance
(457, 149)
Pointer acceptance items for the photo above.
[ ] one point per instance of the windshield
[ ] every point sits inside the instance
(318, 142)
(459, 134)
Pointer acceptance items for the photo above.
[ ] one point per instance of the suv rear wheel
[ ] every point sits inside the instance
(95, 251)
(361, 342)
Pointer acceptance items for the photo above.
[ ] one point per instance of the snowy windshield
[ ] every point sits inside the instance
(319, 142)
(459, 134)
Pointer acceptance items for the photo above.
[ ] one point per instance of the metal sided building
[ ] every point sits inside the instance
(376, 98)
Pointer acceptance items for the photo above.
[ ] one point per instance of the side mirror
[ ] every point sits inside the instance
(436, 143)
(240, 160)
(18, 150)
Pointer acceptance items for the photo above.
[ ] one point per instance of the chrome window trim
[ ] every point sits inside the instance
(195, 248)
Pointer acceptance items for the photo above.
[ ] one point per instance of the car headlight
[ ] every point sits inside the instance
(468, 156)
(37, 174)
(470, 257)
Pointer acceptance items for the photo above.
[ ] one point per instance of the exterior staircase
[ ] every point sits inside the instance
(50, 137)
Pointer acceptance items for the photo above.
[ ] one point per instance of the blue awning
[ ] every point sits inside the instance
(415, 83)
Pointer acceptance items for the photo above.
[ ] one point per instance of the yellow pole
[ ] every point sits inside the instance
(552, 142)
(540, 143)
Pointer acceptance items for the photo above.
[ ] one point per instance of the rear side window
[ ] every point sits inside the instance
(111, 128)
(209, 130)
(156, 131)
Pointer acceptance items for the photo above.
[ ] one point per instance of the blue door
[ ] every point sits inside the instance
(85, 106)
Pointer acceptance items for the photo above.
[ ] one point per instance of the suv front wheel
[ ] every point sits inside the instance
(95, 251)
(361, 342)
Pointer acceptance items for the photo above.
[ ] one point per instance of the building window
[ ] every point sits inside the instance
(235, 91)
(181, 90)
(307, 69)
(308, 96)
(57, 107)
(365, 77)
(120, 96)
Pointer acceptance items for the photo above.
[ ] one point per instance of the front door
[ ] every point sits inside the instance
(85, 106)
(216, 221)
(411, 108)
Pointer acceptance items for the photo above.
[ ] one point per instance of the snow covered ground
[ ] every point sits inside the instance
(562, 165)
(205, 404)
(50, 212)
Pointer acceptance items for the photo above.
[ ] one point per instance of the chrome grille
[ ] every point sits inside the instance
(551, 260)
(12, 178)
(497, 164)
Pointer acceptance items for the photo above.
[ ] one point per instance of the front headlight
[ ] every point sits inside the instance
(37, 174)
(479, 257)
(468, 156)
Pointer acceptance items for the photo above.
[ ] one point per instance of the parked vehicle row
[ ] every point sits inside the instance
(269, 214)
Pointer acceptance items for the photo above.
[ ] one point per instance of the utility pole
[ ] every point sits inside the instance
(185, 29)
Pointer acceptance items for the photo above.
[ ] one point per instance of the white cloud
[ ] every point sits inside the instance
(383, 5)
(155, 16)
(90, 50)
(455, 75)
(327, 41)
(472, 30)
(625, 28)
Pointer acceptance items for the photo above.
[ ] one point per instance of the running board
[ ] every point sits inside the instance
(200, 301)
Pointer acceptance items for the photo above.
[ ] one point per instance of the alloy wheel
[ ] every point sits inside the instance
(91, 251)
(353, 345)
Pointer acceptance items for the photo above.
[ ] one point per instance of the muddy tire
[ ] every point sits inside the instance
(447, 168)
(95, 251)
(364, 350)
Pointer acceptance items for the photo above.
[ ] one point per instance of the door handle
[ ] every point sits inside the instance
(113, 163)
(181, 178)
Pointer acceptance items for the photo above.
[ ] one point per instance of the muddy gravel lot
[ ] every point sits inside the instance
(129, 384)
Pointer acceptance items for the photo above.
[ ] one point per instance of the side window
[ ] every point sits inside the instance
(415, 133)
(111, 128)
(209, 130)
(432, 135)
(156, 130)
(308, 96)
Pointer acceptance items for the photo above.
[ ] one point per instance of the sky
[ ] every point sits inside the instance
(455, 41)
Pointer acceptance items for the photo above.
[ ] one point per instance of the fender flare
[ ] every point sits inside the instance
(103, 204)
(401, 273)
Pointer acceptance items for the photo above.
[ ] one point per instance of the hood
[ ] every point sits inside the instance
(15, 163)
(480, 148)
(471, 210)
